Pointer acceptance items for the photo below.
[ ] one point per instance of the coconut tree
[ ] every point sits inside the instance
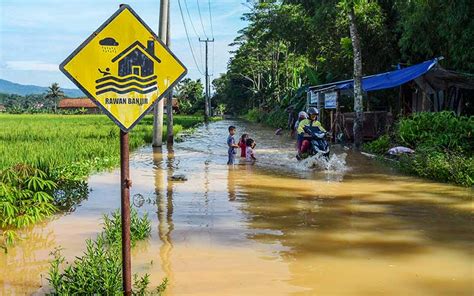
(54, 94)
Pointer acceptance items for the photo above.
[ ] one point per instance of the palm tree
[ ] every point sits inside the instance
(54, 94)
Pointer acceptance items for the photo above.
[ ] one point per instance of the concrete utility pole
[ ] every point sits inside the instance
(208, 107)
(169, 97)
(158, 110)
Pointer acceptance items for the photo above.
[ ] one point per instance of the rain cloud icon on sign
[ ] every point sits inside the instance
(109, 45)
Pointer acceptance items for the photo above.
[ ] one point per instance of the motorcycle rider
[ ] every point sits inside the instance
(311, 121)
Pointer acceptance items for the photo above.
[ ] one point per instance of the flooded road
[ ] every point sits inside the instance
(272, 228)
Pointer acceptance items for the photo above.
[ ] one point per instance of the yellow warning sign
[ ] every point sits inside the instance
(124, 68)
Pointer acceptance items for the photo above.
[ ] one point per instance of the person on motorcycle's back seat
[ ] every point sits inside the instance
(299, 138)
(311, 121)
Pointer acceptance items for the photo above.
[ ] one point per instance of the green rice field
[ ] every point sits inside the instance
(71, 146)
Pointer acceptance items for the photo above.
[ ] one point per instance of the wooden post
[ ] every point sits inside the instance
(332, 125)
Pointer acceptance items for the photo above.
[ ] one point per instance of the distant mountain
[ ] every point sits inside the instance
(8, 87)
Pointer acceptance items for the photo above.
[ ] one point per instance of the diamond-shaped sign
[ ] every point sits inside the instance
(124, 67)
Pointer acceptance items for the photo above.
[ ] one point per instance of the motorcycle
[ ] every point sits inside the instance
(318, 143)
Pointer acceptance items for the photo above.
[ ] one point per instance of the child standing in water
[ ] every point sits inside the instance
(250, 156)
(231, 144)
(243, 145)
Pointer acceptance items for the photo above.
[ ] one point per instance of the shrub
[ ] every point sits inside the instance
(253, 115)
(443, 144)
(378, 146)
(276, 118)
(441, 131)
(444, 167)
(25, 198)
(99, 270)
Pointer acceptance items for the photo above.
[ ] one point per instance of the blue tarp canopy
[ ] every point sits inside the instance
(384, 80)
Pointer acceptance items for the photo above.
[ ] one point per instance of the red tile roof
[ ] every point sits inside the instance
(76, 103)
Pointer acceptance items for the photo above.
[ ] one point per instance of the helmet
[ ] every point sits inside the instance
(312, 111)
(302, 114)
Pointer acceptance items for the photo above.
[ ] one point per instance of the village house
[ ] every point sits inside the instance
(76, 104)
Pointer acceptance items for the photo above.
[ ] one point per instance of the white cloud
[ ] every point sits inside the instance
(31, 66)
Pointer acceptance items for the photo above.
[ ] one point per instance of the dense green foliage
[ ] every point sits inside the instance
(25, 198)
(71, 147)
(99, 270)
(378, 146)
(442, 131)
(190, 94)
(289, 44)
(276, 118)
(443, 144)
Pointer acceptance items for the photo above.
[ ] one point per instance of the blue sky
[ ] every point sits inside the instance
(36, 36)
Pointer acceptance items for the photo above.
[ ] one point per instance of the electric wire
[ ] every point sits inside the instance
(200, 18)
(210, 18)
(195, 31)
(212, 35)
(187, 37)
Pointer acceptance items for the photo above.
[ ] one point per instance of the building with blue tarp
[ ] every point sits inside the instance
(421, 87)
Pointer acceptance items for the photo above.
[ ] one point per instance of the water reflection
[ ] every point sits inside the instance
(22, 265)
(165, 208)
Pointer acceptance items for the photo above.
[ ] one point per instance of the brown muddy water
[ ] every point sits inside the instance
(272, 228)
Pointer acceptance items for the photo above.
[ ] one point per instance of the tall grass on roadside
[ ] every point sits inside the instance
(99, 270)
(70, 146)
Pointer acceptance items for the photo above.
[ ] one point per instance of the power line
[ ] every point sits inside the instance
(187, 37)
(210, 18)
(212, 34)
(189, 16)
(195, 31)
(200, 18)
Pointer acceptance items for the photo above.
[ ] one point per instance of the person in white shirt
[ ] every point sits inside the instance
(249, 154)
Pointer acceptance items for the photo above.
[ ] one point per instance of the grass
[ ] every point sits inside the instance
(70, 146)
(99, 270)
(44, 159)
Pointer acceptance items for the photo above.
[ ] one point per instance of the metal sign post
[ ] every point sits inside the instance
(126, 70)
(125, 184)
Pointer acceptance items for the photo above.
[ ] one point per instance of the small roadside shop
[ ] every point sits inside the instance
(425, 87)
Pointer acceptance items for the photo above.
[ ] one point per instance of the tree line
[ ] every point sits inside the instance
(34, 103)
(290, 44)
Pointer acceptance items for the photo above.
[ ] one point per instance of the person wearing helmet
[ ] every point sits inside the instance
(312, 120)
(299, 138)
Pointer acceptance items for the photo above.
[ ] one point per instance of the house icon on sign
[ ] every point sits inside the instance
(137, 60)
